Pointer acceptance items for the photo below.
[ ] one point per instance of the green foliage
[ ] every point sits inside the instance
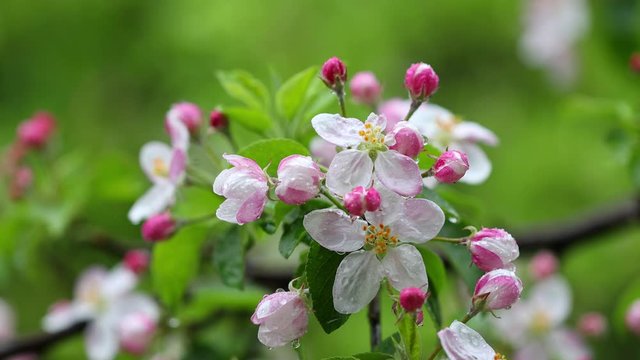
(207, 300)
(244, 87)
(363, 356)
(252, 119)
(389, 345)
(270, 152)
(448, 209)
(410, 338)
(228, 257)
(322, 265)
(437, 281)
(460, 259)
(291, 94)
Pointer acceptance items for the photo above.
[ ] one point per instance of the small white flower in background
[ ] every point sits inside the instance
(461, 342)
(354, 167)
(282, 317)
(534, 326)
(386, 232)
(105, 299)
(552, 29)
(166, 167)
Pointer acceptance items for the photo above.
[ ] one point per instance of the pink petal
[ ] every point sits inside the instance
(245, 163)
(335, 230)
(178, 166)
(251, 209)
(398, 172)
(403, 267)
(357, 282)
(479, 163)
(338, 130)
(349, 168)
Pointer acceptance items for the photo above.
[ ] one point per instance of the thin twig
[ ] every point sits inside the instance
(374, 322)
(41, 342)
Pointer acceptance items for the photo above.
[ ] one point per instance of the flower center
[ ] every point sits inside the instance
(540, 323)
(499, 356)
(160, 168)
(372, 134)
(378, 238)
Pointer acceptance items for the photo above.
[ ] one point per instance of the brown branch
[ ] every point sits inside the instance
(39, 343)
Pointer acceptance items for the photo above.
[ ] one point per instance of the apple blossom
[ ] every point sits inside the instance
(245, 188)
(137, 326)
(282, 317)
(632, 317)
(634, 62)
(451, 166)
(461, 342)
(218, 120)
(412, 298)
(386, 232)
(498, 289)
(35, 132)
(360, 200)
(592, 324)
(354, 166)
(298, 179)
(166, 168)
(159, 227)
(187, 113)
(136, 260)
(21, 182)
(421, 81)
(322, 150)
(365, 88)
(334, 73)
(407, 139)
(543, 265)
(493, 249)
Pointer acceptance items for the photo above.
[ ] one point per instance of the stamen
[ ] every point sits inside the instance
(160, 167)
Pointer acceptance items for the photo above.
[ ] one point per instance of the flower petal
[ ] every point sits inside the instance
(101, 341)
(553, 297)
(403, 267)
(228, 210)
(471, 132)
(251, 209)
(398, 172)
(461, 342)
(118, 283)
(335, 230)
(357, 282)
(155, 159)
(178, 167)
(479, 163)
(377, 120)
(421, 220)
(338, 130)
(153, 202)
(563, 343)
(178, 132)
(427, 118)
(349, 168)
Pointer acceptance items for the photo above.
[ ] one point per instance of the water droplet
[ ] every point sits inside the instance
(280, 290)
(295, 344)
(453, 220)
(173, 323)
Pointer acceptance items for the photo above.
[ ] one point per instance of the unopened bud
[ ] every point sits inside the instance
(158, 227)
(497, 289)
(408, 140)
(188, 113)
(334, 73)
(298, 179)
(634, 62)
(35, 132)
(412, 299)
(421, 81)
(592, 324)
(218, 120)
(451, 166)
(365, 88)
(493, 249)
(632, 318)
(360, 200)
(543, 265)
(136, 260)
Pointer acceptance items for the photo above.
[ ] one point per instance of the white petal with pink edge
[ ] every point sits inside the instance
(335, 230)
(398, 172)
(337, 129)
(479, 164)
(349, 168)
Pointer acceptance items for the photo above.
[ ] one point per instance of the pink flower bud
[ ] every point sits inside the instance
(365, 88)
(136, 331)
(632, 318)
(634, 62)
(188, 113)
(501, 287)
(360, 200)
(334, 72)
(282, 317)
(451, 166)
(543, 265)
(158, 227)
(35, 132)
(136, 260)
(408, 140)
(592, 324)
(493, 249)
(21, 182)
(421, 81)
(298, 179)
(412, 299)
(218, 120)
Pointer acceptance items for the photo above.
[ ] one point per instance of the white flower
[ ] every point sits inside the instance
(378, 246)
(461, 342)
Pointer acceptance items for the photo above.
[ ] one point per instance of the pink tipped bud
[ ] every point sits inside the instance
(334, 72)
(218, 120)
(35, 132)
(21, 182)
(136, 260)
(421, 81)
(360, 200)
(493, 249)
(634, 62)
(408, 140)
(543, 265)
(412, 299)
(451, 166)
(632, 318)
(365, 88)
(282, 317)
(136, 331)
(592, 324)
(188, 113)
(158, 227)
(298, 179)
(499, 289)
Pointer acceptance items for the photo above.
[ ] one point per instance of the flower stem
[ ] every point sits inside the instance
(195, 220)
(449, 240)
(473, 312)
(415, 104)
(374, 322)
(343, 109)
(324, 191)
(299, 351)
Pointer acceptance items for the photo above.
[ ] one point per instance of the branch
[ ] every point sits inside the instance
(559, 236)
(39, 343)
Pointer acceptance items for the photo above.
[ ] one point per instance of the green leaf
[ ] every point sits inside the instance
(322, 265)
(292, 235)
(634, 167)
(291, 94)
(252, 119)
(196, 202)
(206, 301)
(460, 259)
(228, 257)
(271, 151)
(409, 334)
(244, 87)
(448, 209)
(437, 281)
(175, 262)
(363, 356)
(388, 345)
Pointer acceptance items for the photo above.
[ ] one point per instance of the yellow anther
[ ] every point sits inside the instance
(367, 125)
(160, 167)
(499, 356)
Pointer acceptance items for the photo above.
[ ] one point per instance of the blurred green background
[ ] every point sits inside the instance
(109, 70)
